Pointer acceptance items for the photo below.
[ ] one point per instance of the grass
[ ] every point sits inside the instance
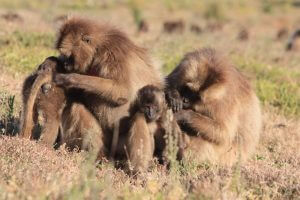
(29, 170)
(214, 11)
(23, 51)
(37, 5)
(8, 116)
(275, 86)
(12, 4)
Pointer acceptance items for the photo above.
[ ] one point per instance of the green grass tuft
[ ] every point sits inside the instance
(136, 12)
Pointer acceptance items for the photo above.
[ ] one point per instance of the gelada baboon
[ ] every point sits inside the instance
(108, 69)
(152, 124)
(43, 103)
(215, 106)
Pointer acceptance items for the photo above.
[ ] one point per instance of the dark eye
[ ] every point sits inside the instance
(185, 91)
(188, 94)
(86, 39)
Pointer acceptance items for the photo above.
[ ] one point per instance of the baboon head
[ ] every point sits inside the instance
(49, 65)
(151, 101)
(87, 47)
(198, 71)
(77, 43)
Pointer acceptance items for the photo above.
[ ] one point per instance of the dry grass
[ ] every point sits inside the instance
(31, 171)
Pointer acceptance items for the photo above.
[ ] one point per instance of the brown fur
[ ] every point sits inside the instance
(47, 108)
(40, 106)
(221, 113)
(81, 131)
(151, 124)
(108, 69)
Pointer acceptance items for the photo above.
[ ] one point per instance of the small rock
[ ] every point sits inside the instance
(196, 29)
(174, 26)
(243, 35)
(282, 33)
(12, 17)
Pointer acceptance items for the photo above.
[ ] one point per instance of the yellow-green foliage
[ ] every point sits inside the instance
(23, 51)
(275, 86)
